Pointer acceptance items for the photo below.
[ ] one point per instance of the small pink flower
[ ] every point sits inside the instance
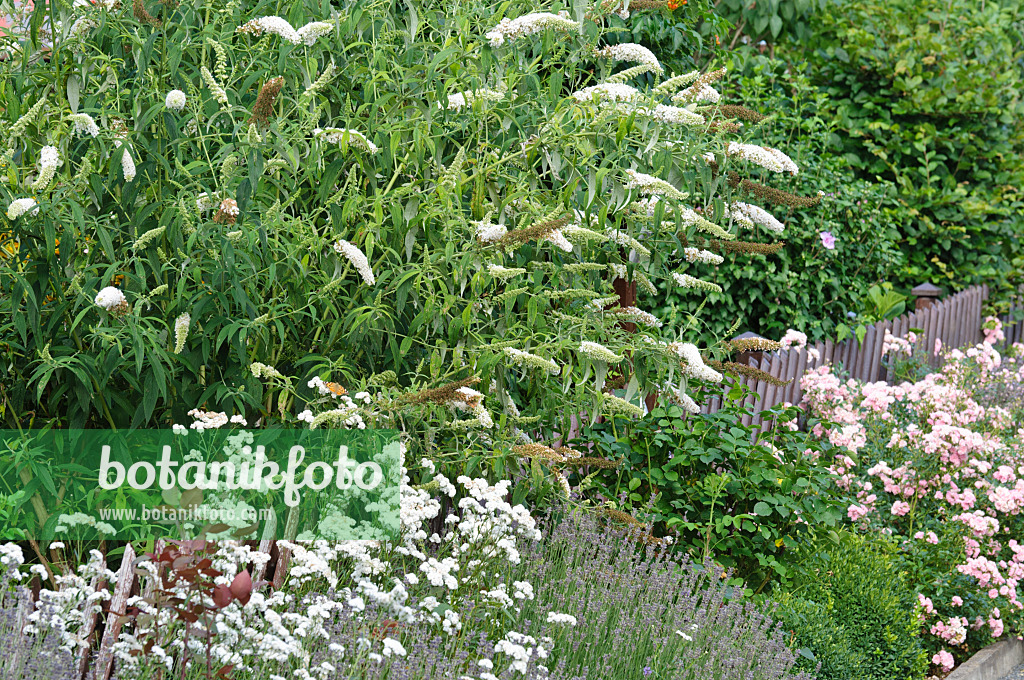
(944, 659)
(828, 240)
(958, 601)
(900, 508)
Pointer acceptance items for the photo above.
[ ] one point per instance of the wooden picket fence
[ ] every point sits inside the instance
(955, 321)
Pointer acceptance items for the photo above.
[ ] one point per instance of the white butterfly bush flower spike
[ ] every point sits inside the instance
(354, 138)
(599, 352)
(175, 100)
(529, 24)
(749, 215)
(20, 206)
(85, 125)
(702, 256)
(275, 25)
(764, 156)
(608, 92)
(112, 300)
(650, 185)
(314, 30)
(695, 366)
(520, 358)
(49, 161)
(459, 100)
(489, 233)
(631, 52)
(357, 258)
(127, 166)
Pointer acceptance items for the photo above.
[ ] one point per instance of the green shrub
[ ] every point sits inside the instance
(755, 504)
(927, 94)
(871, 608)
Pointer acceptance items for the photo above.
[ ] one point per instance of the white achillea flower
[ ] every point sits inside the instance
(633, 53)
(49, 161)
(175, 100)
(20, 206)
(765, 156)
(704, 93)
(702, 256)
(521, 358)
(127, 166)
(85, 125)
(459, 100)
(528, 24)
(487, 232)
(504, 273)
(687, 281)
(111, 299)
(599, 352)
(695, 367)
(354, 138)
(649, 185)
(555, 617)
(752, 214)
(357, 258)
(608, 92)
(637, 316)
(181, 325)
(309, 33)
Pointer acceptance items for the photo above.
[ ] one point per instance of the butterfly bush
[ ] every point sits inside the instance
(938, 464)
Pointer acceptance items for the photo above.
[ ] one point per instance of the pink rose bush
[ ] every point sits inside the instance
(938, 465)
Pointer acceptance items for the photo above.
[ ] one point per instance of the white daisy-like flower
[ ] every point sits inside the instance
(599, 352)
(354, 138)
(111, 299)
(749, 215)
(529, 24)
(357, 258)
(702, 256)
(85, 125)
(20, 206)
(175, 100)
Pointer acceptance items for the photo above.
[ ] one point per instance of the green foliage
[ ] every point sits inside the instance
(772, 20)
(858, 617)
(926, 93)
(804, 285)
(753, 501)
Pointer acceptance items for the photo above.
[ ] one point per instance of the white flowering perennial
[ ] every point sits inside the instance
(504, 273)
(702, 256)
(487, 232)
(529, 24)
(112, 300)
(695, 366)
(49, 161)
(274, 25)
(357, 258)
(627, 241)
(175, 100)
(637, 316)
(20, 206)
(675, 115)
(559, 240)
(459, 100)
(313, 31)
(749, 215)
(695, 93)
(764, 156)
(215, 89)
(181, 325)
(687, 281)
(353, 138)
(599, 352)
(473, 401)
(525, 359)
(608, 92)
(85, 125)
(649, 185)
(631, 52)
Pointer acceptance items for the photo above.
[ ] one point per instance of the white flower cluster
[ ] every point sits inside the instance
(127, 165)
(459, 100)
(749, 215)
(111, 299)
(599, 352)
(529, 24)
(211, 420)
(677, 395)
(307, 35)
(627, 241)
(702, 256)
(764, 156)
(520, 649)
(473, 402)
(687, 281)
(175, 100)
(49, 161)
(206, 202)
(79, 519)
(521, 358)
(504, 273)
(555, 617)
(649, 185)
(357, 258)
(637, 316)
(487, 232)
(702, 93)
(20, 206)
(631, 52)
(353, 138)
(608, 92)
(675, 115)
(557, 238)
(181, 325)
(85, 125)
(695, 366)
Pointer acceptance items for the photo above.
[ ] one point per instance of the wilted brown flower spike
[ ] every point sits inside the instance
(754, 345)
(263, 109)
(139, 10)
(771, 194)
(438, 395)
(749, 372)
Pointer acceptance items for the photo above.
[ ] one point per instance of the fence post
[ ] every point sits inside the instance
(926, 294)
